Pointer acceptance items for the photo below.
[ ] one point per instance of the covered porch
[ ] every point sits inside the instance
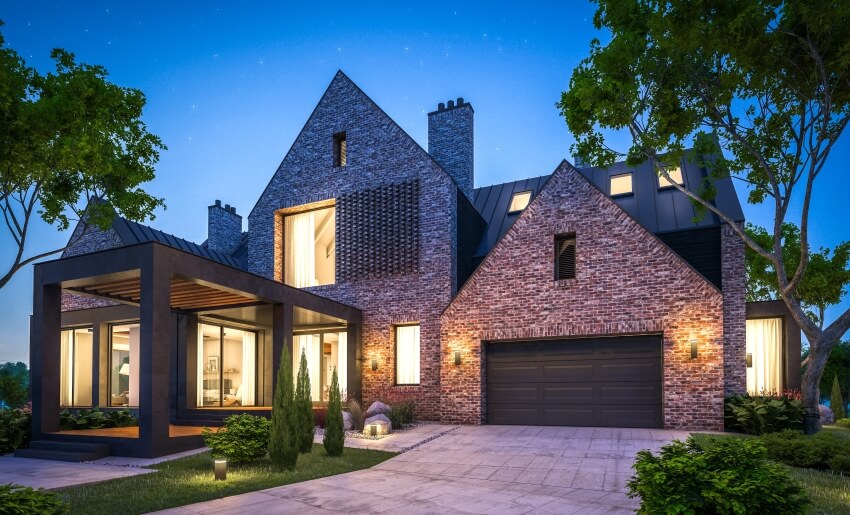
(182, 342)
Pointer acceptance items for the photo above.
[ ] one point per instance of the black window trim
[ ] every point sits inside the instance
(109, 351)
(511, 201)
(222, 326)
(73, 328)
(395, 355)
(340, 155)
(629, 193)
(670, 186)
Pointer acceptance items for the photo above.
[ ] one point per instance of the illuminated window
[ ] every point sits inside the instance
(407, 354)
(765, 356)
(75, 371)
(621, 184)
(227, 366)
(340, 149)
(519, 201)
(565, 257)
(310, 248)
(124, 365)
(675, 174)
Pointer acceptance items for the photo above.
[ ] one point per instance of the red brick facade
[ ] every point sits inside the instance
(627, 281)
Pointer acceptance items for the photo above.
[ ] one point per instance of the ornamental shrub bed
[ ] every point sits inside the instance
(762, 414)
(243, 438)
(96, 419)
(22, 499)
(825, 450)
(14, 428)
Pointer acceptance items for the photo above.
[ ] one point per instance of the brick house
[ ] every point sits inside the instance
(583, 297)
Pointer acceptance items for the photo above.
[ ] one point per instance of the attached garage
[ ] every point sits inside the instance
(601, 382)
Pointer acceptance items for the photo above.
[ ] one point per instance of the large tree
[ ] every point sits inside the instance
(72, 147)
(766, 80)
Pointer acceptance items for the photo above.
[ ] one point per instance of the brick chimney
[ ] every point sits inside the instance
(224, 229)
(450, 141)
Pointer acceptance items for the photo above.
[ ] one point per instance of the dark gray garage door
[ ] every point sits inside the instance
(603, 382)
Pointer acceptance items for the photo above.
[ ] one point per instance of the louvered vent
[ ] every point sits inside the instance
(565, 257)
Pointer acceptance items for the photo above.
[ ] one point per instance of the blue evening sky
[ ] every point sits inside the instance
(229, 86)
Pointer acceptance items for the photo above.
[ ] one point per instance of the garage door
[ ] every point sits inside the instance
(602, 382)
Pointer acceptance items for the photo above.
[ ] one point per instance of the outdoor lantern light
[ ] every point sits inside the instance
(373, 430)
(457, 358)
(749, 360)
(374, 365)
(220, 469)
(694, 350)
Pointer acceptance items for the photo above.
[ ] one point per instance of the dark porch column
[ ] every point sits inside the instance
(354, 361)
(45, 349)
(154, 352)
(282, 317)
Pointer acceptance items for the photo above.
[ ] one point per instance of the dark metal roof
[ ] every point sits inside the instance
(492, 203)
(132, 233)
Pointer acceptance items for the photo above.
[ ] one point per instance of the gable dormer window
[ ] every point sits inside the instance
(519, 201)
(621, 184)
(340, 150)
(675, 174)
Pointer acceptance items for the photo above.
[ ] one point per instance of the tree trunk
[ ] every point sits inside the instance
(818, 355)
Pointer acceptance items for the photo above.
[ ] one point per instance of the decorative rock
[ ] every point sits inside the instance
(376, 408)
(347, 421)
(826, 416)
(380, 422)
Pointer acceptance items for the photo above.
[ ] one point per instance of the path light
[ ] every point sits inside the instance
(373, 429)
(457, 358)
(220, 469)
(694, 349)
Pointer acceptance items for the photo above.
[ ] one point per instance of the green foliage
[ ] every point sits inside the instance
(763, 414)
(304, 407)
(22, 500)
(836, 401)
(74, 147)
(825, 450)
(732, 475)
(844, 422)
(283, 440)
(243, 438)
(358, 414)
(96, 419)
(14, 384)
(402, 413)
(15, 428)
(334, 439)
(837, 363)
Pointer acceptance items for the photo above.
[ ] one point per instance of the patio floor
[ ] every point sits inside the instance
(133, 432)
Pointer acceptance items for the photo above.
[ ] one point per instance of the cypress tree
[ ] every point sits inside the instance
(836, 401)
(334, 434)
(283, 444)
(304, 405)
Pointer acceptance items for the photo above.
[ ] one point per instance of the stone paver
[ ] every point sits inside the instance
(398, 442)
(475, 469)
(58, 474)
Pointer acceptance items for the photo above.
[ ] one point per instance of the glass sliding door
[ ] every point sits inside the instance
(124, 364)
(765, 356)
(324, 352)
(75, 373)
(227, 366)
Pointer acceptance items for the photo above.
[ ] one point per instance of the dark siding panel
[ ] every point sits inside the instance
(700, 248)
(470, 227)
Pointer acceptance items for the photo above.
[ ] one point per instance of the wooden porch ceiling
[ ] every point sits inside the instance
(185, 295)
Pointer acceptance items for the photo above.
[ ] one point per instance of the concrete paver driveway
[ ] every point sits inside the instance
(476, 469)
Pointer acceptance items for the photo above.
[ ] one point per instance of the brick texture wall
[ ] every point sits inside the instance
(627, 281)
(451, 142)
(224, 228)
(92, 239)
(382, 157)
(734, 311)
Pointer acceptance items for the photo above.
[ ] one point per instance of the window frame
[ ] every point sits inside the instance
(664, 187)
(556, 268)
(340, 150)
(109, 392)
(221, 327)
(513, 195)
(395, 356)
(623, 194)
(283, 236)
(73, 329)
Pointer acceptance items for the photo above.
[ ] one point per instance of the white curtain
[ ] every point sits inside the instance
(201, 362)
(407, 354)
(66, 375)
(300, 250)
(342, 364)
(249, 368)
(764, 344)
(309, 344)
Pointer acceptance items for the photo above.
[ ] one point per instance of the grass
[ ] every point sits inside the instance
(190, 480)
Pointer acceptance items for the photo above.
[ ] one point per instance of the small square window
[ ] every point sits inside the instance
(340, 150)
(675, 174)
(621, 184)
(565, 257)
(519, 201)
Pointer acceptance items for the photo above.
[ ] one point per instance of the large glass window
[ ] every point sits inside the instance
(310, 248)
(75, 374)
(227, 366)
(324, 352)
(124, 365)
(407, 354)
(764, 356)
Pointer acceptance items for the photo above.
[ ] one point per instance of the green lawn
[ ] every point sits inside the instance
(189, 480)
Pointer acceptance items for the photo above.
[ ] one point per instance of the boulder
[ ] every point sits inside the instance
(826, 416)
(377, 408)
(380, 422)
(347, 421)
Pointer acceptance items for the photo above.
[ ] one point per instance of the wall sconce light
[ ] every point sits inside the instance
(374, 365)
(457, 358)
(220, 469)
(694, 349)
(749, 360)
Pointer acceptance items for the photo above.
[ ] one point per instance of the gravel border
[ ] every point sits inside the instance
(358, 435)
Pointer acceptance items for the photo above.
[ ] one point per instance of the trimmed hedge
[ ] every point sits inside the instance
(825, 450)
(243, 438)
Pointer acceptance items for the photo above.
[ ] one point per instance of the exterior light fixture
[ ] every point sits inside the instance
(220, 469)
(373, 430)
(374, 365)
(694, 349)
(457, 358)
(749, 360)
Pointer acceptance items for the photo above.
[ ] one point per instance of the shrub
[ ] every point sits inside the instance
(304, 407)
(836, 401)
(15, 427)
(825, 450)
(334, 439)
(283, 440)
(243, 438)
(358, 416)
(844, 422)
(763, 414)
(22, 499)
(96, 419)
(732, 475)
(14, 384)
(402, 413)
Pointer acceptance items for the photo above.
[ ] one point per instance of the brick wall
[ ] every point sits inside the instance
(734, 311)
(92, 239)
(627, 281)
(224, 228)
(380, 157)
(451, 142)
